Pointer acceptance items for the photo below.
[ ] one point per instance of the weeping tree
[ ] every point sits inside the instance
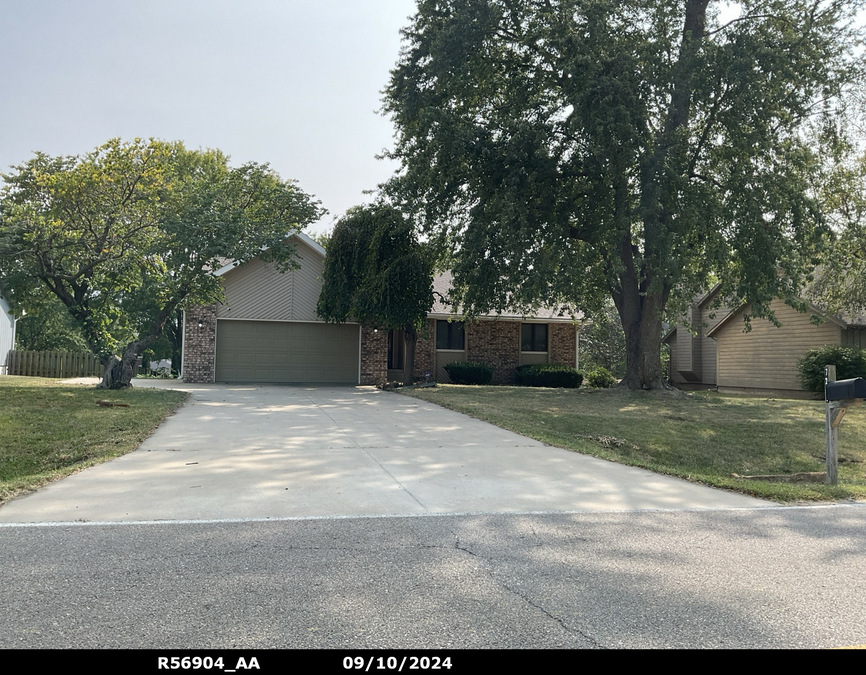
(567, 150)
(378, 274)
(128, 234)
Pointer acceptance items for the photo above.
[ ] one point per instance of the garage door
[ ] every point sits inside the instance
(270, 351)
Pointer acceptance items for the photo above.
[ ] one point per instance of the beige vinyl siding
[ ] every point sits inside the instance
(676, 378)
(767, 356)
(258, 291)
(708, 345)
(688, 350)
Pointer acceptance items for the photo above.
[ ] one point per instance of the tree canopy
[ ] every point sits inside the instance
(567, 149)
(129, 233)
(840, 283)
(378, 274)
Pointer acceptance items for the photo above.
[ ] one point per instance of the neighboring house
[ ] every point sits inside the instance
(692, 351)
(7, 335)
(763, 359)
(267, 330)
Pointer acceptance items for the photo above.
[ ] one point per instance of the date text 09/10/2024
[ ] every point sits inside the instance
(349, 663)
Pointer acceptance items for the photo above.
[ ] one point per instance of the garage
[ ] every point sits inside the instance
(287, 351)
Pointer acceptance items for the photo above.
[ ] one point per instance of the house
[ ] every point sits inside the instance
(267, 330)
(724, 355)
(7, 335)
(692, 351)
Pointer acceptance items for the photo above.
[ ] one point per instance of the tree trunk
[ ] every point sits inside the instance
(119, 370)
(410, 337)
(642, 323)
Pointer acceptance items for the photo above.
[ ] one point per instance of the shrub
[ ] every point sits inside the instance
(469, 372)
(849, 361)
(548, 375)
(600, 378)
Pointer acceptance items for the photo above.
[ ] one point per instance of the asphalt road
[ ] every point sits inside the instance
(773, 578)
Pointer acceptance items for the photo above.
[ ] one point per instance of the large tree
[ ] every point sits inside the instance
(129, 233)
(840, 281)
(567, 149)
(378, 274)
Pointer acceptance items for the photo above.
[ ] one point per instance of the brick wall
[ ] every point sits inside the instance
(562, 343)
(374, 355)
(425, 349)
(199, 344)
(496, 344)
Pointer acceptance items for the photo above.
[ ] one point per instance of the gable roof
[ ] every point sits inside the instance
(442, 309)
(309, 241)
(814, 310)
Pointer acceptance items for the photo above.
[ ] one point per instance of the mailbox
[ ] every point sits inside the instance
(845, 389)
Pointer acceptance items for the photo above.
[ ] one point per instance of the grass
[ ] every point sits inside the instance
(49, 430)
(703, 437)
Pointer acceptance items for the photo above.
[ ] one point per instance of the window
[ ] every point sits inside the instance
(533, 337)
(449, 335)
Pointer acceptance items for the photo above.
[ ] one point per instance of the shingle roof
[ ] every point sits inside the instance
(441, 308)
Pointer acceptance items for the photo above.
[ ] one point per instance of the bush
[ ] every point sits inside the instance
(469, 372)
(600, 378)
(849, 361)
(548, 375)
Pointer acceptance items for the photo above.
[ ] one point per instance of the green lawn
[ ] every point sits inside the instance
(49, 430)
(704, 437)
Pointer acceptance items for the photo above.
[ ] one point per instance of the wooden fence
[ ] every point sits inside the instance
(54, 364)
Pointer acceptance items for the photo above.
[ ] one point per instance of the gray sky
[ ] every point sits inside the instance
(295, 83)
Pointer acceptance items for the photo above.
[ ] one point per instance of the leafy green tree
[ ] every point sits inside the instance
(840, 282)
(602, 343)
(568, 149)
(128, 234)
(47, 326)
(378, 274)
(322, 238)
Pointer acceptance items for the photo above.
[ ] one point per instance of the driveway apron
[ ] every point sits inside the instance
(249, 451)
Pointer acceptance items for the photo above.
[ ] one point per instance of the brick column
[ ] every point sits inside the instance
(199, 344)
(374, 355)
(562, 343)
(424, 349)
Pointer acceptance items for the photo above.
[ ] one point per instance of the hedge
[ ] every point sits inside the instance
(849, 361)
(469, 372)
(548, 375)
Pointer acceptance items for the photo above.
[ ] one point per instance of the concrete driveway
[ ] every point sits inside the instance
(237, 452)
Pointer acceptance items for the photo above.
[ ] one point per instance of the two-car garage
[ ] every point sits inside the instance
(267, 329)
(281, 351)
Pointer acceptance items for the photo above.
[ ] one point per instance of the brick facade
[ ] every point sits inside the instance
(424, 350)
(374, 355)
(199, 344)
(496, 344)
(562, 344)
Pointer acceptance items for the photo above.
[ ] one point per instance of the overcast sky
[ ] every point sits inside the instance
(295, 83)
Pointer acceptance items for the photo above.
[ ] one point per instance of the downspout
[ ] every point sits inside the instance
(182, 346)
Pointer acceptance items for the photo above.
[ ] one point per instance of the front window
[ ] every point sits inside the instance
(449, 335)
(533, 337)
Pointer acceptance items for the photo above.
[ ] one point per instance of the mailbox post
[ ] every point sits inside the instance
(839, 395)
